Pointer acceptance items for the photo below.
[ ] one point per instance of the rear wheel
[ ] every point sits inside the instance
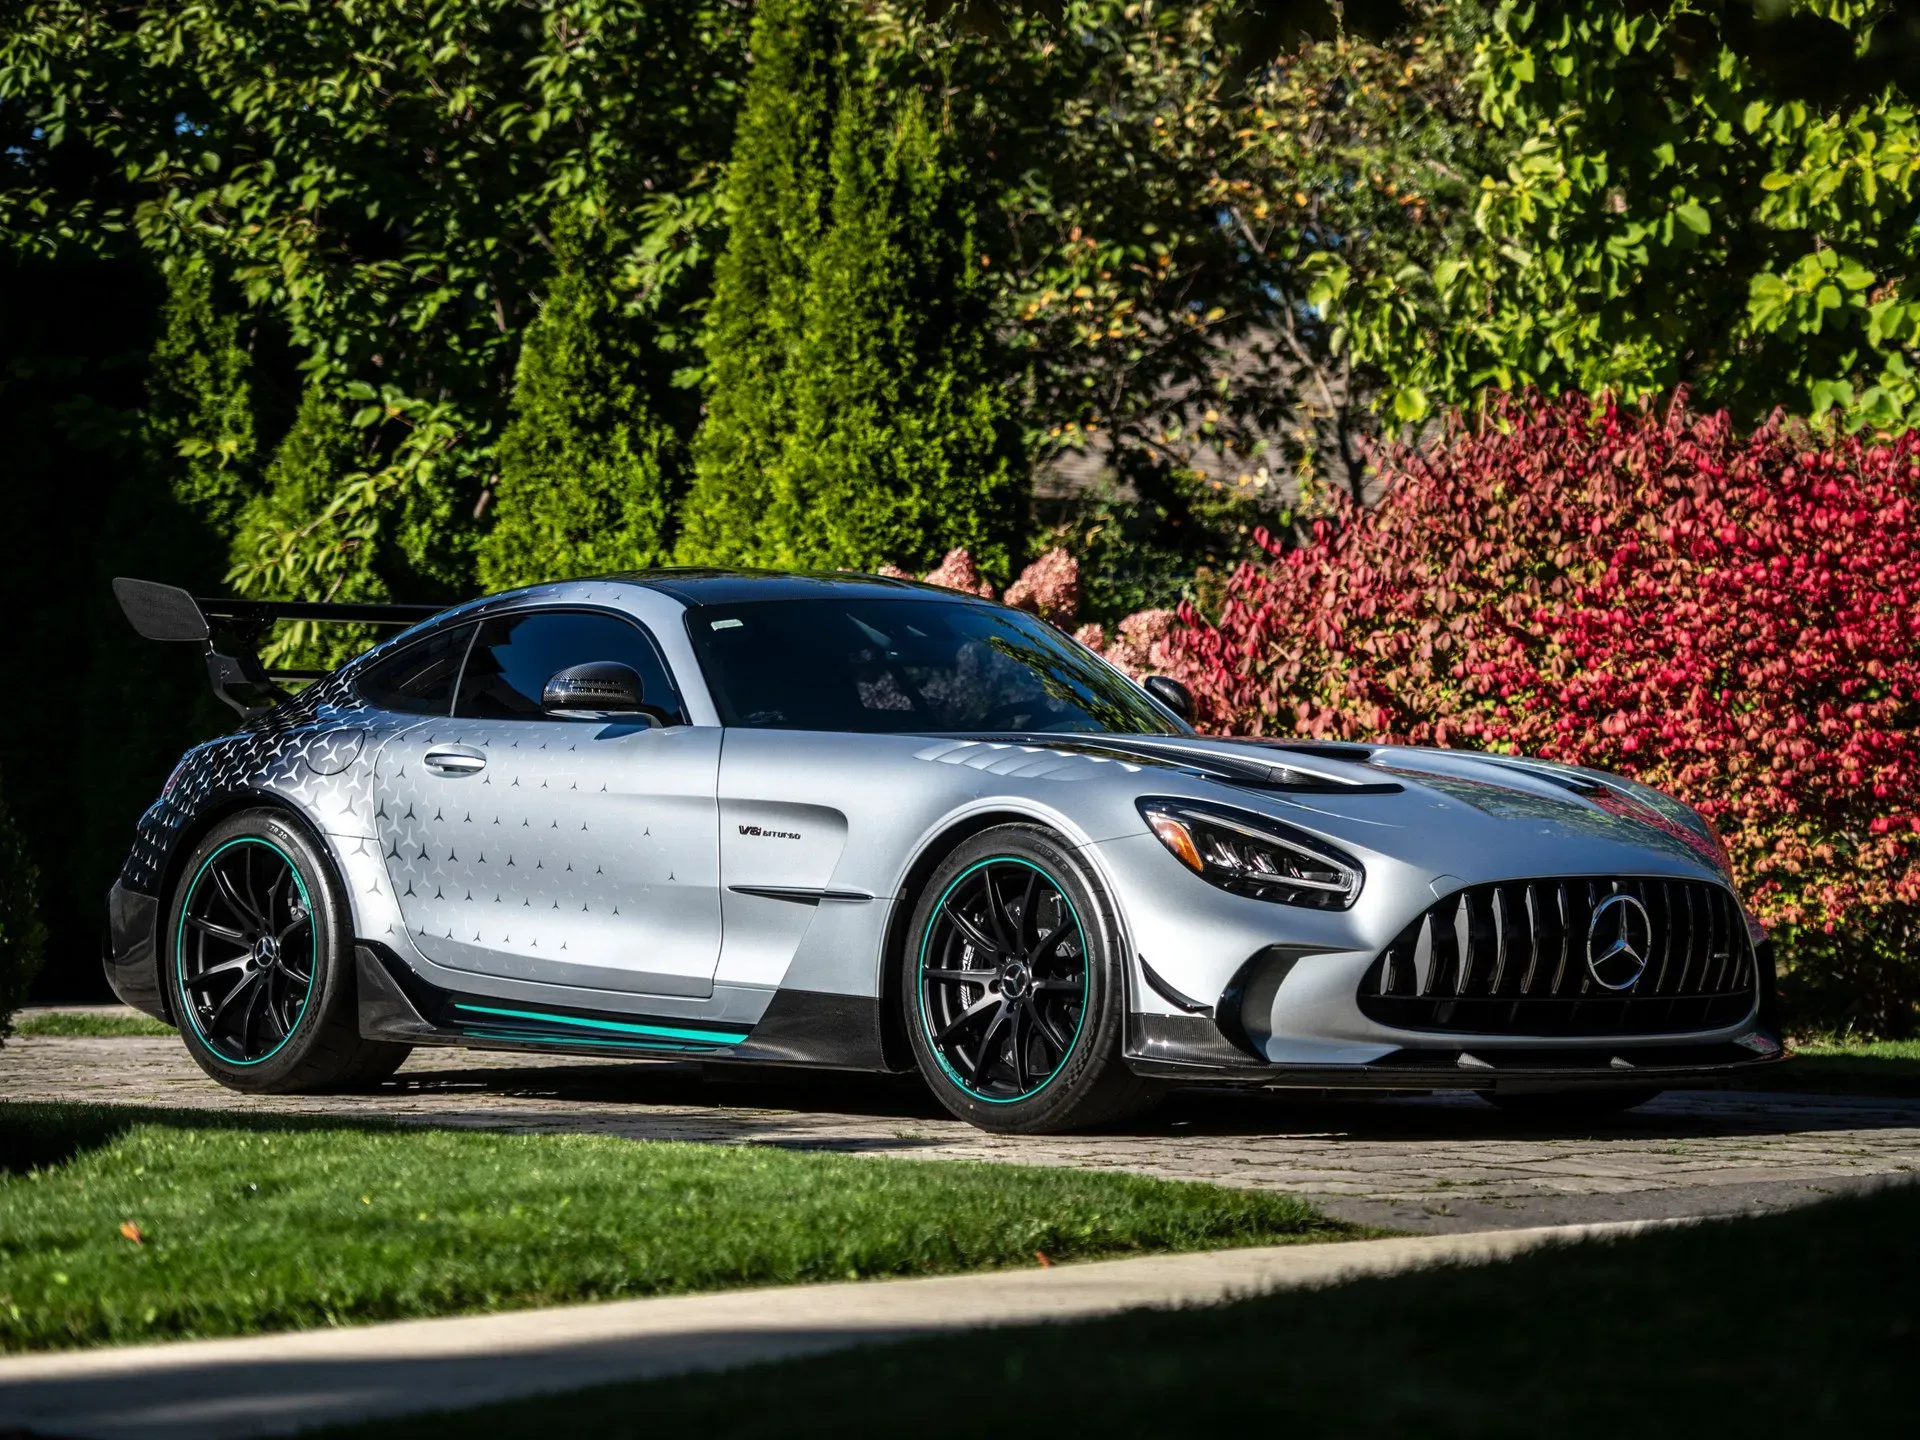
(1571, 1104)
(260, 963)
(1014, 994)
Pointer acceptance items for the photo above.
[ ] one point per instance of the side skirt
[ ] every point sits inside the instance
(798, 1028)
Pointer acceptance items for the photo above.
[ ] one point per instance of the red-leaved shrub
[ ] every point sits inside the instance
(1049, 587)
(1732, 617)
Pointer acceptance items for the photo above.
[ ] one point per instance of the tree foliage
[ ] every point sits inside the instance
(371, 184)
(1158, 177)
(1688, 202)
(857, 410)
(199, 424)
(587, 472)
(374, 179)
(296, 500)
(777, 192)
(1730, 616)
(86, 501)
(902, 445)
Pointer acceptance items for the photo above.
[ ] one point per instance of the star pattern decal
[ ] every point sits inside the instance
(583, 848)
(579, 852)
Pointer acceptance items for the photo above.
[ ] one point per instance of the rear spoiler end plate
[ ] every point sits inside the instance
(170, 614)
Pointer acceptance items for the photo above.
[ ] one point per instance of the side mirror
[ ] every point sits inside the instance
(1172, 694)
(599, 687)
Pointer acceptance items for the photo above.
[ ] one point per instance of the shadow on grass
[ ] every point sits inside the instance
(35, 1135)
(1702, 1331)
(164, 1225)
(1674, 1334)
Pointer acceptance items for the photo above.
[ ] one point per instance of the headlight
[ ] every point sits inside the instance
(1254, 856)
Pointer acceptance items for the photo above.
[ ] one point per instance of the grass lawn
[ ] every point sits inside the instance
(1874, 1067)
(261, 1223)
(1803, 1323)
(66, 1022)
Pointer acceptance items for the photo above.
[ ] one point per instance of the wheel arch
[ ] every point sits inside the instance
(190, 836)
(939, 843)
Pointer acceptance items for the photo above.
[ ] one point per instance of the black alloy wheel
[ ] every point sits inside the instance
(260, 961)
(1003, 979)
(1013, 989)
(247, 953)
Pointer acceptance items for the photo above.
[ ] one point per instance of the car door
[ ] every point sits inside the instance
(568, 851)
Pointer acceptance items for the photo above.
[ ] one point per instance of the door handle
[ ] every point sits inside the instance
(455, 760)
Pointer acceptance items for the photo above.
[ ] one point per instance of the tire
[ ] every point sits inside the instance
(259, 963)
(1033, 1046)
(378, 1060)
(1571, 1104)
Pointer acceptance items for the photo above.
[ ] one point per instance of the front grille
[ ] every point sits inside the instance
(1512, 959)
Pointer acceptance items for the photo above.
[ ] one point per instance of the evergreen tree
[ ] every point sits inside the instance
(852, 418)
(313, 457)
(318, 451)
(586, 468)
(170, 518)
(902, 446)
(22, 938)
(199, 419)
(777, 190)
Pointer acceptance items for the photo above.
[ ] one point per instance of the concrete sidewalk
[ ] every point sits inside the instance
(279, 1384)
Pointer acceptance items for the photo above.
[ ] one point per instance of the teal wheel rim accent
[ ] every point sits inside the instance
(1003, 978)
(245, 952)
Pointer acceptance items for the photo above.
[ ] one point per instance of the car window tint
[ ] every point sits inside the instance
(419, 678)
(908, 666)
(515, 656)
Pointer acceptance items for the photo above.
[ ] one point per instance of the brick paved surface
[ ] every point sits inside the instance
(1440, 1163)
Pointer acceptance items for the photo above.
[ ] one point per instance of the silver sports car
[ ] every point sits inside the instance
(852, 822)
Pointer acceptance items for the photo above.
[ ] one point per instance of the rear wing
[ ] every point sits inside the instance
(166, 612)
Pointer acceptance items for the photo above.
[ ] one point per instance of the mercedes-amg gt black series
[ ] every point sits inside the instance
(856, 822)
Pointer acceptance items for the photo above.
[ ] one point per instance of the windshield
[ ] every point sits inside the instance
(909, 665)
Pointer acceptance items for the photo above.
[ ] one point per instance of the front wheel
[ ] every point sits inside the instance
(1014, 993)
(259, 963)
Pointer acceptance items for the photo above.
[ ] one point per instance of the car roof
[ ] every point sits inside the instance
(732, 587)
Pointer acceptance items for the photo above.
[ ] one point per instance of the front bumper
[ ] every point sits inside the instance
(1214, 1045)
(1193, 1048)
(132, 950)
(1237, 991)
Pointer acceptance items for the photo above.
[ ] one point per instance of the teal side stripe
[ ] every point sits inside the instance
(520, 1037)
(667, 1032)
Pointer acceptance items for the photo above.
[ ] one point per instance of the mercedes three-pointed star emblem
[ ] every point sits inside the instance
(1619, 942)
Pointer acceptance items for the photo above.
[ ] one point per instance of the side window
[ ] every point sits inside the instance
(515, 656)
(419, 679)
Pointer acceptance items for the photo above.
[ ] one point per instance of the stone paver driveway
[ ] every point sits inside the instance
(1439, 1163)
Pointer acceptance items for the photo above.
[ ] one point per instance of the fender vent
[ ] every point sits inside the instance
(1546, 958)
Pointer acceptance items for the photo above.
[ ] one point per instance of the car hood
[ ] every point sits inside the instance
(1509, 813)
